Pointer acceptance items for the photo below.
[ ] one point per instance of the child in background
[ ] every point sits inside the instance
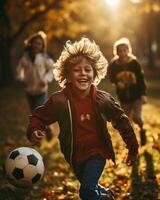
(35, 70)
(82, 112)
(127, 75)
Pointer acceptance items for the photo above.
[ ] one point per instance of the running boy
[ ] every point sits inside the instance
(126, 73)
(82, 112)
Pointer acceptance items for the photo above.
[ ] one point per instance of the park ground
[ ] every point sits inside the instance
(139, 182)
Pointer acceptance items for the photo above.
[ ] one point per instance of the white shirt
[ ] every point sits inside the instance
(37, 75)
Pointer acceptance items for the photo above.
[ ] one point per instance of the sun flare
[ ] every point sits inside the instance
(112, 3)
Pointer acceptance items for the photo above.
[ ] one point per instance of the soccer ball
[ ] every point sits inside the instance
(24, 167)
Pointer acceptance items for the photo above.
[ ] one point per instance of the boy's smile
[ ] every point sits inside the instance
(81, 76)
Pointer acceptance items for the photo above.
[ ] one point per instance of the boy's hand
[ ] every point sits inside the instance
(131, 158)
(144, 99)
(37, 136)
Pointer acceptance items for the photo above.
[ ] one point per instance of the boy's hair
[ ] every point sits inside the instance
(73, 53)
(29, 40)
(122, 41)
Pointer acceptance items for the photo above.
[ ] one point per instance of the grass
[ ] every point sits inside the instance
(140, 182)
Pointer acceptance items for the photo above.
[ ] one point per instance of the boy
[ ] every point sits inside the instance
(126, 73)
(35, 70)
(82, 112)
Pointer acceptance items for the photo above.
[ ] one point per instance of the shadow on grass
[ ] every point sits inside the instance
(144, 187)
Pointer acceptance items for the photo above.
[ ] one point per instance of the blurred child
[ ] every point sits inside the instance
(35, 70)
(127, 75)
(82, 112)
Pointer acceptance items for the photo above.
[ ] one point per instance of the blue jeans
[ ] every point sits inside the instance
(88, 173)
(36, 100)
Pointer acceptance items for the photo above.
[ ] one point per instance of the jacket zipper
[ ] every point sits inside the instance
(70, 115)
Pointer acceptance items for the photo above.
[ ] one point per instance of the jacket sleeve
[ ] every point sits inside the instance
(42, 117)
(120, 121)
(111, 73)
(20, 70)
(49, 65)
(140, 78)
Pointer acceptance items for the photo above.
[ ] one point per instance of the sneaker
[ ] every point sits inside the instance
(108, 196)
(143, 137)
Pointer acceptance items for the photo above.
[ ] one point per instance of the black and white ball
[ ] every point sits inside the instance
(24, 166)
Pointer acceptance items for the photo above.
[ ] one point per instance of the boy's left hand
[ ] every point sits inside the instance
(131, 158)
(143, 99)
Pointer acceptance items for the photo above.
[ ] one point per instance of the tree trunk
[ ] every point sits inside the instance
(6, 75)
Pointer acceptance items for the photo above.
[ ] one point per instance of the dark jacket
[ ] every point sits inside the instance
(58, 108)
(131, 75)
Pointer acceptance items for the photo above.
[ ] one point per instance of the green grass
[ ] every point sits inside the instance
(140, 182)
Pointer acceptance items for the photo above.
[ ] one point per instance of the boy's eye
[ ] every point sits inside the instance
(88, 70)
(76, 69)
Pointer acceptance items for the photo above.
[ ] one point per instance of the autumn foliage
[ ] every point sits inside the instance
(140, 182)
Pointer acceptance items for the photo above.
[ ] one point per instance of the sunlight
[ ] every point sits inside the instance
(112, 3)
(136, 1)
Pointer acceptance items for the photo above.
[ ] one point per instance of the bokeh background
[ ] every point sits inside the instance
(104, 21)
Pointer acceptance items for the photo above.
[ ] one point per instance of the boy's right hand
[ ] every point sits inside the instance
(37, 136)
(131, 158)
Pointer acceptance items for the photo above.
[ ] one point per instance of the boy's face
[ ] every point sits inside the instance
(122, 51)
(37, 45)
(81, 76)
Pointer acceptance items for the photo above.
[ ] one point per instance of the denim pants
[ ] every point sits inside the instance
(88, 173)
(36, 100)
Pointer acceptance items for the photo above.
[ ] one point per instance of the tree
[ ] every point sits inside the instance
(148, 31)
(21, 17)
(71, 19)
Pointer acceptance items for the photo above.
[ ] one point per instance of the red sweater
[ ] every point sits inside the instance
(87, 140)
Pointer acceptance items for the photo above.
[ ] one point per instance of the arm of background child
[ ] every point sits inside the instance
(20, 70)
(144, 99)
(110, 74)
(140, 78)
(49, 64)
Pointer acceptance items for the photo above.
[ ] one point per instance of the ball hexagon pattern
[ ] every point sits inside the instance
(24, 166)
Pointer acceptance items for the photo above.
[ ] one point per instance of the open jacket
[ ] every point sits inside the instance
(58, 108)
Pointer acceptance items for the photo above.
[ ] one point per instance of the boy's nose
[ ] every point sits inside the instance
(83, 71)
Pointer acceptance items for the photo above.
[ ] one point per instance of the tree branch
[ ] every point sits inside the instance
(24, 25)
